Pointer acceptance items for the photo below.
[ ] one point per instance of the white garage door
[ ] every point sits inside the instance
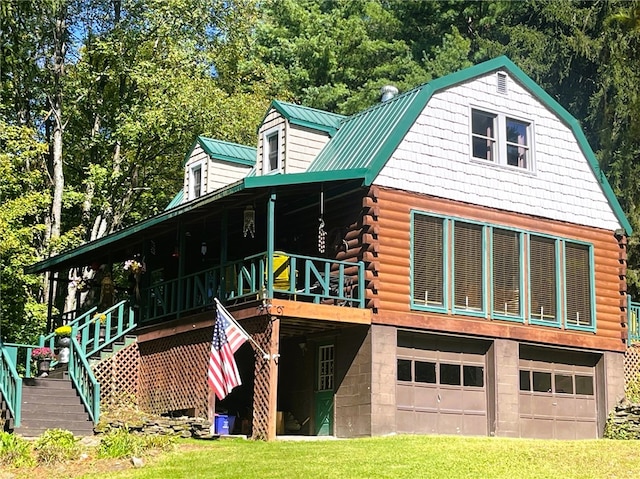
(441, 385)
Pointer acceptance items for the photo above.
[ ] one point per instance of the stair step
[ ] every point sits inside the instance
(50, 383)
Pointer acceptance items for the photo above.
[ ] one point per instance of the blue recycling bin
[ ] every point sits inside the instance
(224, 424)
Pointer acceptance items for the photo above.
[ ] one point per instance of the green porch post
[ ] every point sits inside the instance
(271, 208)
(181, 253)
(224, 241)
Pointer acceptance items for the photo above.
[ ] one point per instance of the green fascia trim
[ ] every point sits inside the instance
(499, 63)
(314, 126)
(176, 200)
(301, 178)
(138, 227)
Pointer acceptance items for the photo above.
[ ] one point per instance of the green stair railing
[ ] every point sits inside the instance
(86, 384)
(633, 321)
(10, 382)
(86, 340)
(105, 327)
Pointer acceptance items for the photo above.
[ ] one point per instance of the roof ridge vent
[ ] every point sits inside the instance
(388, 92)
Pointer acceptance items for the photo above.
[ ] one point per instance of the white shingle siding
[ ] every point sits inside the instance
(271, 121)
(434, 158)
(198, 155)
(303, 145)
(216, 173)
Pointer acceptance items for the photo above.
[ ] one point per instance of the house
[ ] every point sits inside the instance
(449, 261)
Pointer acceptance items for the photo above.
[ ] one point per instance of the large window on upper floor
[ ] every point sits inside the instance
(272, 154)
(428, 250)
(501, 139)
(501, 273)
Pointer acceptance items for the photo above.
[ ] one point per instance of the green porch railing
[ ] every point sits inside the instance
(633, 321)
(298, 277)
(11, 382)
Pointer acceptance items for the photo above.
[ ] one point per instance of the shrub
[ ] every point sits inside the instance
(119, 443)
(15, 451)
(56, 445)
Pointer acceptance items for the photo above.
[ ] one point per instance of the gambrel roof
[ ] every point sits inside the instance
(358, 149)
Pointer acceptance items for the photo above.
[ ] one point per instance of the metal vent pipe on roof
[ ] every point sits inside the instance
(388, 92)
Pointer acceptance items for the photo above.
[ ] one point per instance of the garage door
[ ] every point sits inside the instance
(557, 394)
(441, 385)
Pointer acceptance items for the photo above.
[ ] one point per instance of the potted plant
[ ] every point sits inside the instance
(63, 333)
(43, 357)
(102, 318)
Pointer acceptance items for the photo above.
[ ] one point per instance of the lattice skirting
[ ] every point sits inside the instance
(173, 372)
(631, 363)
(118, 376)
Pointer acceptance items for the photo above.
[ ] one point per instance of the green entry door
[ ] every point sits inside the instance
(324, 390)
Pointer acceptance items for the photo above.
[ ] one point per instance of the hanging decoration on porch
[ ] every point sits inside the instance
(322, 234)
(249, 226)
(136, 268)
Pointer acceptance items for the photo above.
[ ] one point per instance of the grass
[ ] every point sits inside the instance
(392, 457)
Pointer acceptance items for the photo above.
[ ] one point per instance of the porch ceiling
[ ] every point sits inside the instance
(119, 246)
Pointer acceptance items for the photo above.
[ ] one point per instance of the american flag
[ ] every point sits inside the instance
(228, 336)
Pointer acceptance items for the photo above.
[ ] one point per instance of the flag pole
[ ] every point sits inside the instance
(265, 355)
(212, 412)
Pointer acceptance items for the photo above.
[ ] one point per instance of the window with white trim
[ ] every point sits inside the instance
(501, 139)
(195, 181)
(272, 156)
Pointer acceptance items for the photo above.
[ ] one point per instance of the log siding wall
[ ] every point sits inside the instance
(390, 292)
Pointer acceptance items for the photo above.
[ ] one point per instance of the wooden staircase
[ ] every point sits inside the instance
(50, 403)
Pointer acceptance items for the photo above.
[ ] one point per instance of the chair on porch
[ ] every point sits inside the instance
(282, 272)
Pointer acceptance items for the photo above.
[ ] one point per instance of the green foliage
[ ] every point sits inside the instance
(632, 390)
(624, 430)
(15, 451)
(56, 445)
(119, 443)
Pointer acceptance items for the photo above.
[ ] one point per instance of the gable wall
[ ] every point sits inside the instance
(223, 173)
(434, 158)
(197, 155)
(272, 120)
(303, 145)
(394, 270)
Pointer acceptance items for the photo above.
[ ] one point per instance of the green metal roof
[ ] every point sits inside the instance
(368, 139)
(225, 151)
(308, 117)
(177, 200)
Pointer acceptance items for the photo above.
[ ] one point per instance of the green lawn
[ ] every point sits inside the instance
(394, 457)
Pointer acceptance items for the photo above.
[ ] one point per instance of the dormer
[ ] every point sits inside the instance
(291, 136)
(213, 164)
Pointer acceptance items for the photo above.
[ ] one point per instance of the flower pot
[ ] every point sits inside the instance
(64, 341)
(103, 332)
(43, 366)
(63, 355)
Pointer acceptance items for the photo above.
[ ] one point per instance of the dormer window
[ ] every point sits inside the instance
(272, 156)
(501, 139)
(195, 181)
